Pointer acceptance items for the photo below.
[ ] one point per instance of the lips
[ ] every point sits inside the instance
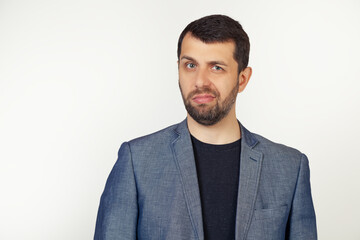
(203, 98)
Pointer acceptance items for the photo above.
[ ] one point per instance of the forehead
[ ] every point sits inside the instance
(197, 49)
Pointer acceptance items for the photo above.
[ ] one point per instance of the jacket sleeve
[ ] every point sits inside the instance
(302, 222)
(118, 210)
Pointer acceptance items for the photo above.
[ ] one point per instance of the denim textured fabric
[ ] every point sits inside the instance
(152, 191)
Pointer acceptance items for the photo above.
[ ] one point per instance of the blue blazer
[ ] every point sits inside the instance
(152, 191)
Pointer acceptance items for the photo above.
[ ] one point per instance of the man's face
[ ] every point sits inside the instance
(208, 79)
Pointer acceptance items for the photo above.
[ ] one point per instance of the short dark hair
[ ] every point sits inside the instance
(220, 28)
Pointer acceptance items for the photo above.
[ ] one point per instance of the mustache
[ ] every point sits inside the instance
(203, 90)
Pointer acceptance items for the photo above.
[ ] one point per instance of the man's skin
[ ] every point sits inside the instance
(211, 65)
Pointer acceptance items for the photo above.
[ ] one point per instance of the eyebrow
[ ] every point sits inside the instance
(210, 62)
(218, 63)
(187, 58)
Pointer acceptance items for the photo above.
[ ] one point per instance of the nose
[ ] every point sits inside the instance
(202, 78)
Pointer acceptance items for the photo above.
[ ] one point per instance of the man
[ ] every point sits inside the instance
(208, 177)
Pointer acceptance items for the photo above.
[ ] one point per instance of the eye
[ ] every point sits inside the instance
(217, 68)
(190, 65)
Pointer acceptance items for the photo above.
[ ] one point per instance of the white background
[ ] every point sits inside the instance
(77, 78)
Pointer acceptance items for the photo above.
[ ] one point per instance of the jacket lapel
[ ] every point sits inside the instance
(250, 166)
(185, 162)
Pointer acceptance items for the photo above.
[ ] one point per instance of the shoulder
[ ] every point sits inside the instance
(278, 154)
(280, 163)
(156, 140)
(270, 146)
(150, 152)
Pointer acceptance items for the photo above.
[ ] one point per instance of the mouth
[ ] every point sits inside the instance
(203, 98)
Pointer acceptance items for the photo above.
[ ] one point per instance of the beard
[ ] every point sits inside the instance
(210, 115)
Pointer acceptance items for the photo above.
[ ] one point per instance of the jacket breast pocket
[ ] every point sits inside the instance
(268, 224)
(270, 212)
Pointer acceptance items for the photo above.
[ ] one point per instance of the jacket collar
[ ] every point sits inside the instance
(247, 137)
(249, 176)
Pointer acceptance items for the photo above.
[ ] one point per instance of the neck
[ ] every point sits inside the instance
(225, 131)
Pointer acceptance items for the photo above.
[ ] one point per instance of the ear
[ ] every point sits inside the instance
(244, 77)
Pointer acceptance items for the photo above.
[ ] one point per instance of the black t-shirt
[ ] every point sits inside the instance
(217, 168)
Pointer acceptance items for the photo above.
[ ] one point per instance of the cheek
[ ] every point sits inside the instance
(184, 76)
(185, 82)
(183, 86)
(223, 90)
